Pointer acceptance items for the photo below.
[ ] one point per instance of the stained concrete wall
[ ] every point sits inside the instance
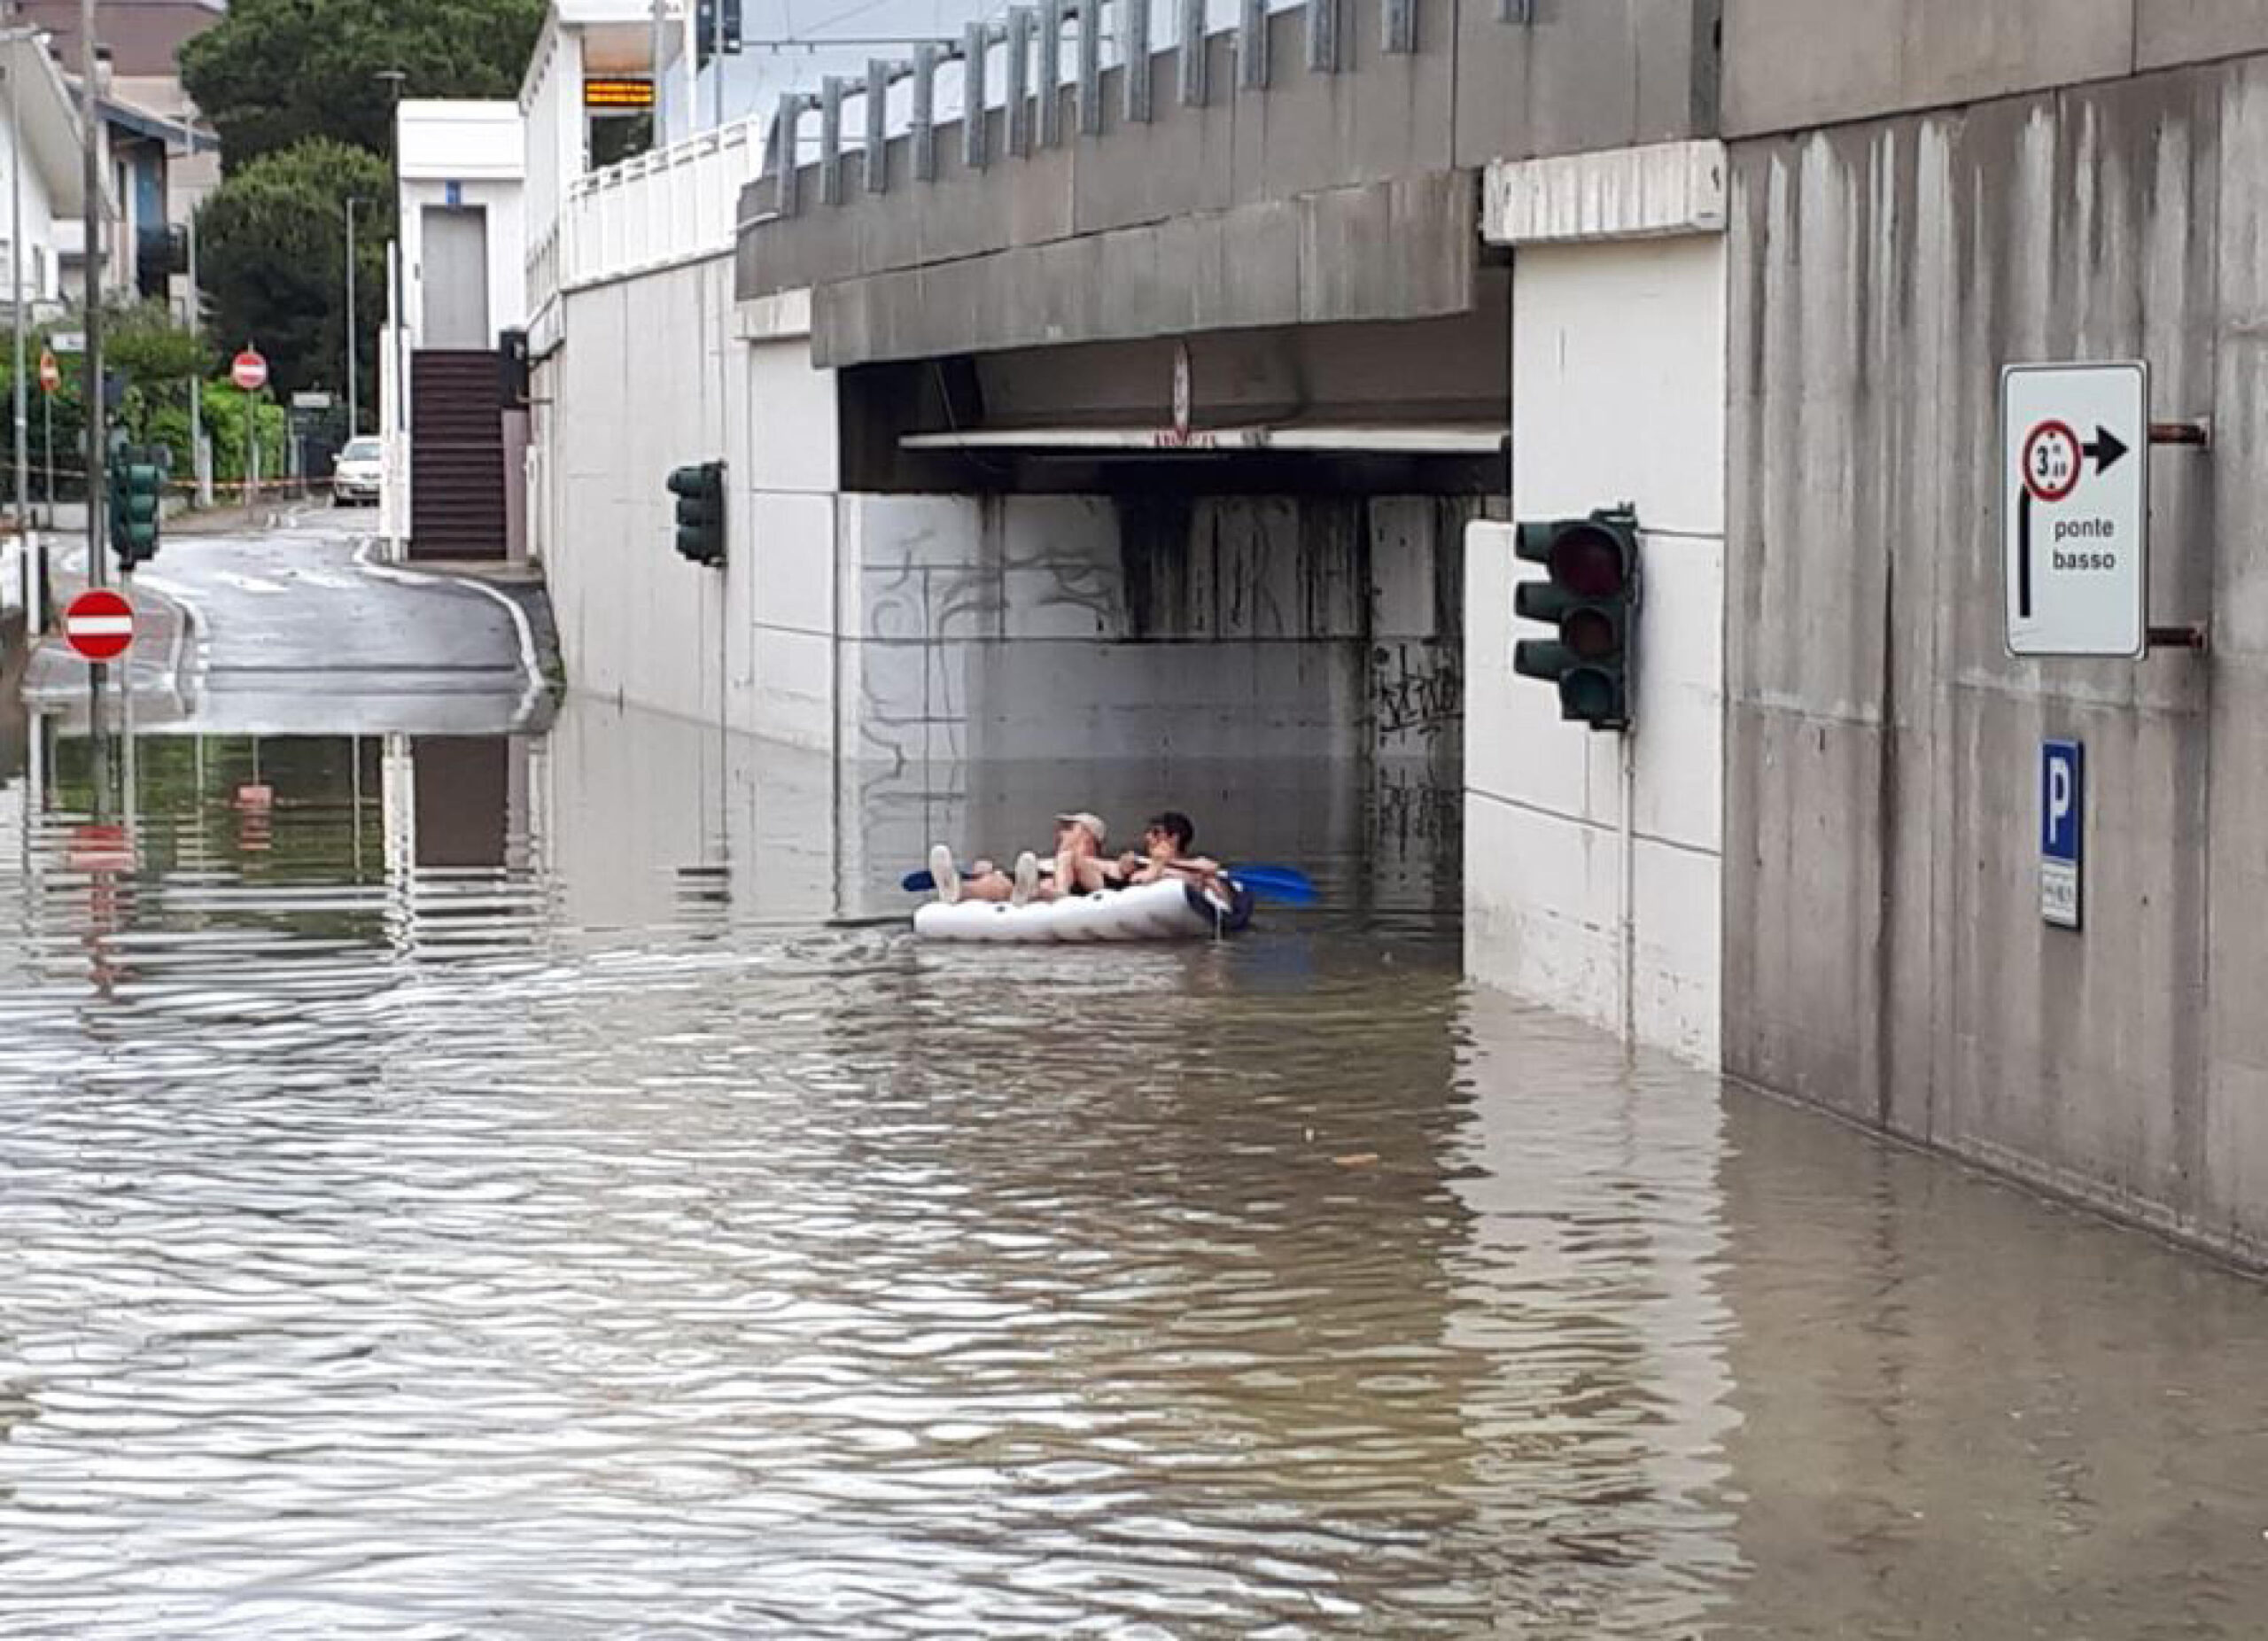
(650, 377)
(911, 630)
(1011, 627)
(1885, 952)
(1617, 395)
(1326, 197)
(1788, 63)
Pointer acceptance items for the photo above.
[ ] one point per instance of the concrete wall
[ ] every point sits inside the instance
(651, 376)
(1326, 196)
(907, 630)
(1790, 63)
(1087, 627)
(1885, 952)
(1617, 394)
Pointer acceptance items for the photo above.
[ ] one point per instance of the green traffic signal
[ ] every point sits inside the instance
(700, 492)
(1590, 597)
(136, 505)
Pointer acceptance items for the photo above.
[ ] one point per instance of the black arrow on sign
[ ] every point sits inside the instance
(2106, 449)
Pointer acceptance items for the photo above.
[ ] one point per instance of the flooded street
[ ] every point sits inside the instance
(515, 1188)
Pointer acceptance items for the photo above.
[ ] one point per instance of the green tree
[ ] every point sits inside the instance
(272, 245)
(150, 346)
(278, 72)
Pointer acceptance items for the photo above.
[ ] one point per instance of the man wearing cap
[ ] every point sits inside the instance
(1078, 867)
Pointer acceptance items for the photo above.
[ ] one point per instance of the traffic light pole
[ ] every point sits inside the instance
(1627, 890)
(91, 260)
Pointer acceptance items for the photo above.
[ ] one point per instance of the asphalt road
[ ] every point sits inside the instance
(296, 629)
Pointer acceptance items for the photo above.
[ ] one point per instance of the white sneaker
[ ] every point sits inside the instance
(948, 874)
(1027, 879)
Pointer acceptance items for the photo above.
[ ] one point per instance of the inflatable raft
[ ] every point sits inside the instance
(1169, 911)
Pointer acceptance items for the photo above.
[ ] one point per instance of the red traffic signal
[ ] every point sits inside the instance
(1590, 596)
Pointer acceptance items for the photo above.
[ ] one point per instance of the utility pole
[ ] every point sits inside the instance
(199, 468)
(91, 221)
(660, 40)
(354, 397)
(90, 217)
(34, 583)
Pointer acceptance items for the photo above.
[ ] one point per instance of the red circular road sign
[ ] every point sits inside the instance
(2052, 460)
(100, 624)
(51, 373)
(249, 372)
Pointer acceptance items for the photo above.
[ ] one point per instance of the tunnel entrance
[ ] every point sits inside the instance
(1242, 545)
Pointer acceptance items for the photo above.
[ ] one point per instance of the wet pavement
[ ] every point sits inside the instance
(500, 1187)
(303, 627)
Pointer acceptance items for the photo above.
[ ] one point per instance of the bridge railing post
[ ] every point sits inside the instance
(830, 140)
(921, 127)
(1051, 73)
(975, 129)
(1251, 46)
(783, 147)
(1322, 37)
(1020, 20)
(877, 166)
(1189, 70)
(1135, 15)
(1091, 66)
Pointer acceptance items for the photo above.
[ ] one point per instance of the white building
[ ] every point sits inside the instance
(459, 284)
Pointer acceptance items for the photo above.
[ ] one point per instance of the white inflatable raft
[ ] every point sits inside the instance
(1166, 911)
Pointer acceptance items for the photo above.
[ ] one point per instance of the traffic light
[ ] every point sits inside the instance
(700, 492)
(1591, 596)
(136, 499)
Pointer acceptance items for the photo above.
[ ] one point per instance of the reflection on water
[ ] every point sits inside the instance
(495, 1189)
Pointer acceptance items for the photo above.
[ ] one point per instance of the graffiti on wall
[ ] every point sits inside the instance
(1417, 694)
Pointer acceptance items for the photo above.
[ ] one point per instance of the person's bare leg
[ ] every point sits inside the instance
(994, 885)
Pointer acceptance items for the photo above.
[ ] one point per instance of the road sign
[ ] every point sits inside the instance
(2075, 508)
(310, 401)
(100, 624)
(2062, 828)
(51, 373)
(249, 371)
(67, 341)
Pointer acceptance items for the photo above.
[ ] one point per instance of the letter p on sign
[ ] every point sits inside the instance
(2062, 825)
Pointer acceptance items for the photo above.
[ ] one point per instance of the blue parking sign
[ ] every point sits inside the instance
(2062, 828)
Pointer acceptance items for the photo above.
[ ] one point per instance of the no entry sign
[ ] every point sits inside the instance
(250, 371)
(100, 624)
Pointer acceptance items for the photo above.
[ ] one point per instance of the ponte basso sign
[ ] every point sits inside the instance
(2075, 501)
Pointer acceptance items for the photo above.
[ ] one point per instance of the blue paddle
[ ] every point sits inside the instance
(1270, 882)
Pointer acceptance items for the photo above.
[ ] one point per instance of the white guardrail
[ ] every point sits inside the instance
(674, 205)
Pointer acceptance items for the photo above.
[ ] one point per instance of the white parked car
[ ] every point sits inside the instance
(356, 474)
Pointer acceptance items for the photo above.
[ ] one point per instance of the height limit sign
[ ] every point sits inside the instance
(2075, 498)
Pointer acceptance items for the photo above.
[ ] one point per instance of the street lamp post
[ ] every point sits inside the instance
(195, 318)
(354, 379)
(35, 584)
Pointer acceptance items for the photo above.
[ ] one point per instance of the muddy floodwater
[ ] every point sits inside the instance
(511, 1188)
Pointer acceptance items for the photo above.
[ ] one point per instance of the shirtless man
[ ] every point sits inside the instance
(1167, 838)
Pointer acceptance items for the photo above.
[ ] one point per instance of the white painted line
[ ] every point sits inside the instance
(414, 577)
